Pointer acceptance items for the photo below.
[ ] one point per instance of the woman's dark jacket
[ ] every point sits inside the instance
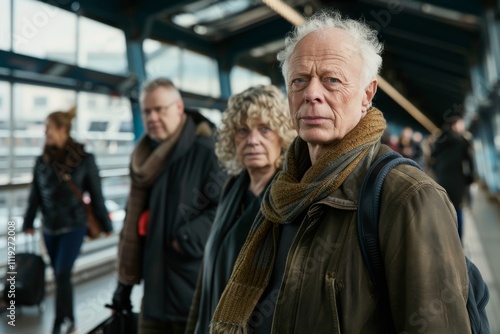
(235, 215)
(61, 209)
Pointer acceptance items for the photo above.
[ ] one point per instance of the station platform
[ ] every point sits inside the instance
(481, 244)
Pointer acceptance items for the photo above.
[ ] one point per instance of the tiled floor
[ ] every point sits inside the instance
(481, 243)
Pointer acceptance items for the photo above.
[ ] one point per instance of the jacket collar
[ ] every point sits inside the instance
(346, 197)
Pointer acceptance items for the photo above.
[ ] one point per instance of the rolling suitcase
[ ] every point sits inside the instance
(25, 280)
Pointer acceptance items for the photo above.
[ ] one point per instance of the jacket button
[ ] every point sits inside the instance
(185, 237)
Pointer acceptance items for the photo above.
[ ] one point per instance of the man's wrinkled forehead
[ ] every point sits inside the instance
(326, 41)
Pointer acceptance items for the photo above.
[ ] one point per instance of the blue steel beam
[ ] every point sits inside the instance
(39, 71)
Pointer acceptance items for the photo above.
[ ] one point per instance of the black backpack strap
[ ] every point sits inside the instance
(368, 225)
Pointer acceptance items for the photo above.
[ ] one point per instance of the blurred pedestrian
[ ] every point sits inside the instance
(64, 219)
(408, 147)
(453, 164)
(175, 188)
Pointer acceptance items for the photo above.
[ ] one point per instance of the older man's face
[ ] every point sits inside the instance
(162, 113)
(326, 92)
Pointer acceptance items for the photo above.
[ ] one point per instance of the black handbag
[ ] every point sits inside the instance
(118, 323)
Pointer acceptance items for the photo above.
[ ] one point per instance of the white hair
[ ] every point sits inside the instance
(364, 38)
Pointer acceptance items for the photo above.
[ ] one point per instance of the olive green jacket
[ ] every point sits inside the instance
(326, 287)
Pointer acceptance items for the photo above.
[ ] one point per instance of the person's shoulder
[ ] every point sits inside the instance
(405, 177)
(406, 180)
(203, 127)
(204, 132)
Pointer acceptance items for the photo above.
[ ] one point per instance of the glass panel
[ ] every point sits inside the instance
(5, 32)
(31, 105)
(188, 70)
(4, 131)
(101, 47)
(199, 74)
(44, 31)
(162, 60)
(213, 115)
(241, 79)
(105, 126)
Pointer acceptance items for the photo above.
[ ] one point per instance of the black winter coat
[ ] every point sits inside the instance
(182, 204)
(234, 217)
(453, 165)
(60, 207)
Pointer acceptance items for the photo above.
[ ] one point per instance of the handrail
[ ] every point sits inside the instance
(105, 173)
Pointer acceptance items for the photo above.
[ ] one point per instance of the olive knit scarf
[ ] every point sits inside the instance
(294, 189)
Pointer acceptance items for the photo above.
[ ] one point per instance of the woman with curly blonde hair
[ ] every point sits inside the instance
(255, 132)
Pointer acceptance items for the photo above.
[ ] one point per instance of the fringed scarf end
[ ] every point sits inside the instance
(219, 327)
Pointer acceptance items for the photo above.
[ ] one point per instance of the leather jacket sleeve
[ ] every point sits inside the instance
(93, 186)
(33, 202)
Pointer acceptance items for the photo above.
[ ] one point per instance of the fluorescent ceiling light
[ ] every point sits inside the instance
(271, 47)
(449, 14)
(287, 12)
(219, 10)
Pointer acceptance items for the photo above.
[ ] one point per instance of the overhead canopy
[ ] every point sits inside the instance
(430, 47)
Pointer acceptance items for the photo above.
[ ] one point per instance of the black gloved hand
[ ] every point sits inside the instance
(121, 298)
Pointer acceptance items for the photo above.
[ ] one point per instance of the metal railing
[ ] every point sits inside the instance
(96, 256)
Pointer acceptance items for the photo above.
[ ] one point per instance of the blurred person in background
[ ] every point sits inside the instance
(255, 132)
(453, 164)
(64, 219)
(408, 147)
(175, 189)
(389, 140)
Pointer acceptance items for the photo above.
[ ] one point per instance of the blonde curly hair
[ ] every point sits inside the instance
(265, 104)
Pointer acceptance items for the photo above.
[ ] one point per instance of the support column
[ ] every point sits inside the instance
(492, 24)
(478, 82)
(137, 69)
(136, 29)
(225, 64)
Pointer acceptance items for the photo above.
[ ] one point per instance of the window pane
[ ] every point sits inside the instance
(162, 60)
(5, 32)
(29, 123)
(101, 47)
(199, 74)
(241, 79)
(44, 31)
(4, 131)
(105, 126)
(188, 70)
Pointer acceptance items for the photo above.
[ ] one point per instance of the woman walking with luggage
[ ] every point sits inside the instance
(64, 164)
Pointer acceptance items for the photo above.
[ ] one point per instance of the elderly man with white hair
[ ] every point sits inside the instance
(301, 269)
